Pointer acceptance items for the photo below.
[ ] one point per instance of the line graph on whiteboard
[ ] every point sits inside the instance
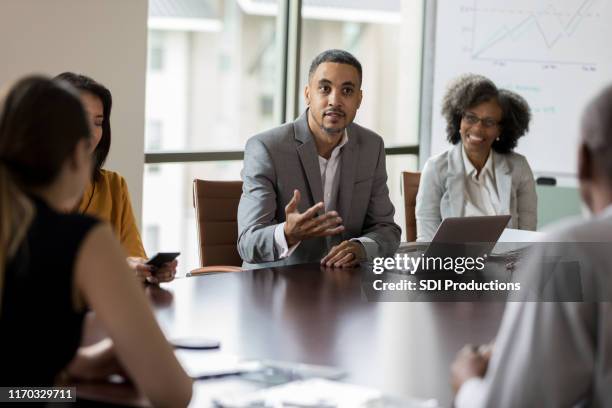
(550, 33)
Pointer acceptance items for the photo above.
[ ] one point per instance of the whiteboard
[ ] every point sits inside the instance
(557, 54)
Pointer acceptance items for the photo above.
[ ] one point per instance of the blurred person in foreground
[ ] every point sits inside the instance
(557, 354)
(54, 266)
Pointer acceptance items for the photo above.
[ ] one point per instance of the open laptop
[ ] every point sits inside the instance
(463, 236)
(457, 230)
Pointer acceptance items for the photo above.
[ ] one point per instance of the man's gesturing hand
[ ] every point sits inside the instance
(308, 224)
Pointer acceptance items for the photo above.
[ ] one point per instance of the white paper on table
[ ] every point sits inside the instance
(514, 239)
(312, 393)
(517, 235)
(199, 364)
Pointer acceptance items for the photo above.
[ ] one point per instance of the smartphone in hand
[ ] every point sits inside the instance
(161, 258)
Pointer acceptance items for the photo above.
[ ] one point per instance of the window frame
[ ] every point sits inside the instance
(286, 101)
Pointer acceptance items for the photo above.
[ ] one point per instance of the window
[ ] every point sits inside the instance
(211, 84)
(156, 61)
(153, 134)
(374, 32)
(151, 239)
(266, 105)
(221, 62)
(156, 52)
(168, 214)
(213, 81)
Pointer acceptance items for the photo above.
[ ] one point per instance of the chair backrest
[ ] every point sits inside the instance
(216, 205)
(410, 186)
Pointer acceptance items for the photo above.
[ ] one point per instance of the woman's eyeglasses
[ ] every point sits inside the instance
(472, 119)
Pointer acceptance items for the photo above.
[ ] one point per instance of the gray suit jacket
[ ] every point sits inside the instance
(285, 158)
(442, 191)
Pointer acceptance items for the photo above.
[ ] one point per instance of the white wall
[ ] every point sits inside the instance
(102, 39)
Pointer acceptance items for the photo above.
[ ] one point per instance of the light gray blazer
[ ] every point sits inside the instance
(442, 191)
(285, 158)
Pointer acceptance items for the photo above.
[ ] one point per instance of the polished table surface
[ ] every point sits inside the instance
(316, 315)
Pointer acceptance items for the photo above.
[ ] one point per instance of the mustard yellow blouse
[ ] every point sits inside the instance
(108, 199)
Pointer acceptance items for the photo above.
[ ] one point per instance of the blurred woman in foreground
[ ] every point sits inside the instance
(53, 265)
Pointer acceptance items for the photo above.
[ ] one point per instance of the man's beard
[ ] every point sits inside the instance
(332, 130)
(329, 130)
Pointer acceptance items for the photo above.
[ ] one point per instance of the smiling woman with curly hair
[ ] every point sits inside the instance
(480, 174)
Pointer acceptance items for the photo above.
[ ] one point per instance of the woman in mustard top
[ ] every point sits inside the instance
(107, 196)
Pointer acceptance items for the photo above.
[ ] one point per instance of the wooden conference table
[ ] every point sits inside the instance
(318, 315)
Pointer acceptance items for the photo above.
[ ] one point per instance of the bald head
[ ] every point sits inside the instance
(594, 164)
(597, 131)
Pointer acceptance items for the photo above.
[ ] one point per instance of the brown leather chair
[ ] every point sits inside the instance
(410, 186)
(216, 206)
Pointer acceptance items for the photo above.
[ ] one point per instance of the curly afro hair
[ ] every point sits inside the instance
(470, 90)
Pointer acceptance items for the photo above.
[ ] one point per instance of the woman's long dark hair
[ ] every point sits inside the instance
(41, 122)
(86, 84)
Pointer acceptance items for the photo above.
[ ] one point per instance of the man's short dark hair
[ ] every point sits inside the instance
(337, 56)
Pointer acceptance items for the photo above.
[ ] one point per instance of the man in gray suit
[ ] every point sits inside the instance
(557, 354)
(315, 190)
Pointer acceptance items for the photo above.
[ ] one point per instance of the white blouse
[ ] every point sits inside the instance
(481, 197)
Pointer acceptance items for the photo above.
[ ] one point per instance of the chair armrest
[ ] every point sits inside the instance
(214, 269)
